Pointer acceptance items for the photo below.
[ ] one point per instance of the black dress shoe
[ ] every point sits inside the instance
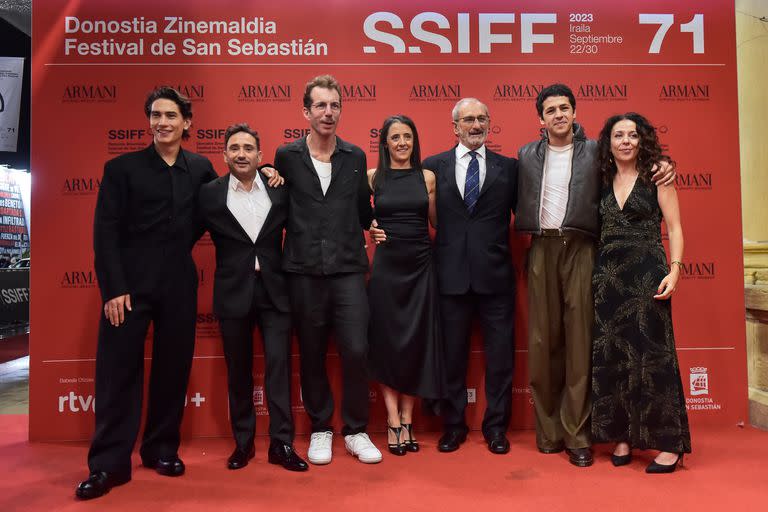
(498, 443)
(548, 451)
(581, 457)
(451, 440)
(99, 483)
(172, 466)
(283, 454)
(621, 460)
(656, 468)
(239, 458)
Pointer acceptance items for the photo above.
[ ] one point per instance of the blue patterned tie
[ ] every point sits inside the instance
(472, 184)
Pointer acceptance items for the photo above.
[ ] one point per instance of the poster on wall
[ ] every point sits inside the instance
(11, 78)
(94, 64)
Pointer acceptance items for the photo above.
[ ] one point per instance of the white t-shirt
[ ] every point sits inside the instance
(557, 177)
(323, 170)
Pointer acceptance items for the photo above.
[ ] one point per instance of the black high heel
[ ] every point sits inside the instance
(622, 460)
(410, 444)
(656, 468)
(398, 447)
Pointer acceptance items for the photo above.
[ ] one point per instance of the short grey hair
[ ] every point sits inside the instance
(464, 101)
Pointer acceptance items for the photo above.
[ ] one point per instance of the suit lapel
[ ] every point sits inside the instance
(272, 193)
(492, 171)
(450, 174)
(310, 167)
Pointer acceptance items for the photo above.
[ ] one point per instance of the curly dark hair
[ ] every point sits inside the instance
(649, 150)
(384, 158)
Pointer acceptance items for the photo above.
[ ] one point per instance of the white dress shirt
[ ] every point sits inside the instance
(462, 162)
(250, 209)
(557, 178)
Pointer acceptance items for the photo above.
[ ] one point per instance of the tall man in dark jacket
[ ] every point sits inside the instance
(325, 258)
(145, 225)
(246, 220)
(476, 193)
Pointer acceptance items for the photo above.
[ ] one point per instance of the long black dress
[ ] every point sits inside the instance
(636, 389)
(405, 344)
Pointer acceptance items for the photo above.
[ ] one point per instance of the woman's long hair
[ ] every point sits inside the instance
(649, 150)
(384, 159)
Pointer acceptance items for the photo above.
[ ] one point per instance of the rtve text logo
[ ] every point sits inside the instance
(490, 29)
(89, 93)
(75, 403)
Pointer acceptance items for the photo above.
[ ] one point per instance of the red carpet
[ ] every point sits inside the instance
(14, 347)
(727, 471)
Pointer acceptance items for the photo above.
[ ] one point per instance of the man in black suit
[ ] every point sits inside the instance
(246, 221)
(476, 193)
(326, 262)
(145, 225)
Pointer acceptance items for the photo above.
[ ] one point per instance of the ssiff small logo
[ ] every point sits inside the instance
(699, 381)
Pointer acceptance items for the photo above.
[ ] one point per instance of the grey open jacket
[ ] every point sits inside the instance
(581, 213)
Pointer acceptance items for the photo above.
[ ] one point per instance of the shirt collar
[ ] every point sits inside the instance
(462, 150)
(160, 164)
(236, 185)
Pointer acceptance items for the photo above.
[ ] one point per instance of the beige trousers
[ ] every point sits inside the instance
(560, 337)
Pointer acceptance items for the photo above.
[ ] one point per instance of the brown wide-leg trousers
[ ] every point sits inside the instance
(560, 337)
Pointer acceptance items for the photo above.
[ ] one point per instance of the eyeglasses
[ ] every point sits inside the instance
(322, 106)
(470, 120)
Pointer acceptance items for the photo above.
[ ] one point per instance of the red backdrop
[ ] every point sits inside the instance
(94, 62)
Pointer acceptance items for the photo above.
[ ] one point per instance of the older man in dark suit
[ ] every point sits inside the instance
(246, 220)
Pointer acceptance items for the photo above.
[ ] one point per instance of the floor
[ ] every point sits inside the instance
(14, 369)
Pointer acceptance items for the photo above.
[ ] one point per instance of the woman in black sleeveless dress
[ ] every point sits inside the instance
(638, 399)
(404, 330)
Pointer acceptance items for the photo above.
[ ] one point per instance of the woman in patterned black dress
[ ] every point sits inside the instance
(638, 399)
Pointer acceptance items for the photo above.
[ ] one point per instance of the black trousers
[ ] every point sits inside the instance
(319, 303)
(237, 335)
(496, 315)
(171, 308)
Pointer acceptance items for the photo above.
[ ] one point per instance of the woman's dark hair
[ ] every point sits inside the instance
(384, 159)
(649, 150)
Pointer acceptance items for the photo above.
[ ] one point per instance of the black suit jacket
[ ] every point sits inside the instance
(146, 220)
(236, 252)
(472, 250)
(324, 232)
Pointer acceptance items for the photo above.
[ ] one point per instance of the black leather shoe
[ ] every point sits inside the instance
(656, 468)
(451, 440)
(498, 443)
(621, 460)
(99, 483)
(167, 467)
(239, 458)
(549, 451)
(581, 457)
(283, 454)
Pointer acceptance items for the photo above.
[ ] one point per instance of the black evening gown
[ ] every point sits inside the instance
(405, 343)
(637, 395)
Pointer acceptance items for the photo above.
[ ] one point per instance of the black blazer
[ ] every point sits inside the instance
(146, 220)
(324, 233)
(472, 250)
(235, 252)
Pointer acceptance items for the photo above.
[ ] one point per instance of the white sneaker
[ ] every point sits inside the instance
(320, 451)
(360, 446)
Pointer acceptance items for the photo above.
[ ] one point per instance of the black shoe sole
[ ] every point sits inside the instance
(289, 468)
(550, 451)
(581, 463)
